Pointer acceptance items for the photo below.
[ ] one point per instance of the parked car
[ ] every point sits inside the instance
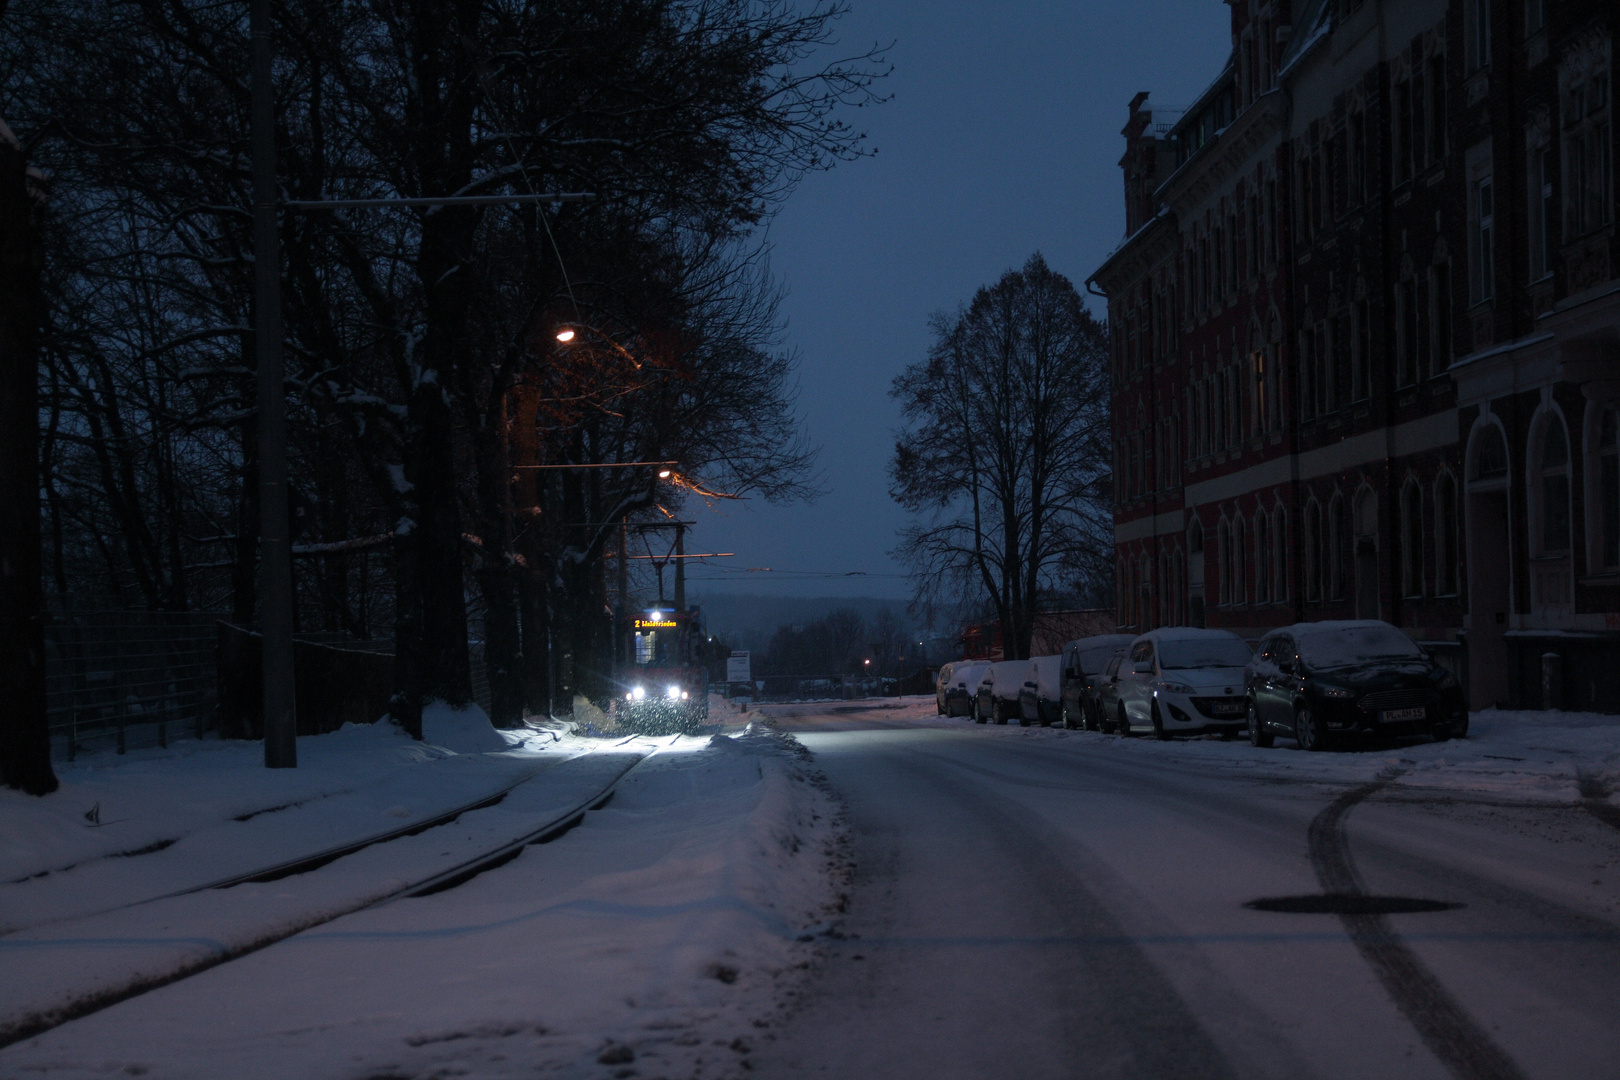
(1104, 694)
(957, 682)
(1181, 680)
(1041, 697)
(1083, 664)
(997, 698)
(1321, 683)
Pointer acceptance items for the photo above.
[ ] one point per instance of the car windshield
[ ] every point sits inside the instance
(1203, 653)
(1347, 645)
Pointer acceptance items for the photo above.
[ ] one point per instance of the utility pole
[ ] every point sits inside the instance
(275, 548)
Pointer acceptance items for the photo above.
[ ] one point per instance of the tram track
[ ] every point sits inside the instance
(184, 956)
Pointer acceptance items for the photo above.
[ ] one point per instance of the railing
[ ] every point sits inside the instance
(128, 678)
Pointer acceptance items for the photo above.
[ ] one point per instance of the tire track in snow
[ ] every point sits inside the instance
(1464, 1047)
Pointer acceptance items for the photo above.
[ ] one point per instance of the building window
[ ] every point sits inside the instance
(1404, 141)
(1262, 559)
(1440, 335)
(1434, 85)
(1313, 550)
(1478, 29)
(1588, 154)
(1490, 456)
(1445, 536)
(1411, 540)
(1484, 240)
(1240, 592)
(1307, 374)
(1543, 225)
(1339, 547)
(1279, 557)
(1406, 340)
(1322, 354)
(1608, 500)
(1552, 470)
(1223, 559)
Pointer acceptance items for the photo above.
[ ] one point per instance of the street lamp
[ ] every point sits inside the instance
(663, 474)
(565, 336)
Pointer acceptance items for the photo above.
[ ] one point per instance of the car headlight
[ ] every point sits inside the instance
(1447, 680)
(1335, 692)
(1175, 688)
(638, 693)
(673, 693)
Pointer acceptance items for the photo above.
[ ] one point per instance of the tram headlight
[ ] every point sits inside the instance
(638, 693)
(673, 693)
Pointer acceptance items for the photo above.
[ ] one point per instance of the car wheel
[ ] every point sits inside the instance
(1259, 734)
(1122, 722)
(1024, 719)
(978, 713)
(1068, 720)
(1088, 716)
(1158, 725)
(1308, 731)
(1452, 729)
(998, 712)
(939, 707)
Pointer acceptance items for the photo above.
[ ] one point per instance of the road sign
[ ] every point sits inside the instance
(737, 669)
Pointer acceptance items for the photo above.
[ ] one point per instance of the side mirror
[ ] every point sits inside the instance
(1286, 665)
(1143, 667)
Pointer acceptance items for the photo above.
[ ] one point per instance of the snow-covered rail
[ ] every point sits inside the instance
(60, 971)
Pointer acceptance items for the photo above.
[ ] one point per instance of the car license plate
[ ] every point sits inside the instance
(1392, 715)
(1230, 708)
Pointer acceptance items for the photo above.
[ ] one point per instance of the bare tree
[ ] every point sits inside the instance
(25, 741)
(1004, 451)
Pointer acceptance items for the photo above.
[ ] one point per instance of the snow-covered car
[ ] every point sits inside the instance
(1083, 664)
(1181, 680)
(1324, 682)
(997, 697)
(1041, 697)
(1104, 694)
(956, 685)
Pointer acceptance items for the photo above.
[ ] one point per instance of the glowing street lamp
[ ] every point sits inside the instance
(565, 336)
(663, 474)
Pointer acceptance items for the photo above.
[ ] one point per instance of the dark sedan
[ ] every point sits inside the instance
(1325, 682)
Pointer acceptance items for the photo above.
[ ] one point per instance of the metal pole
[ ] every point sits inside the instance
(275, 550)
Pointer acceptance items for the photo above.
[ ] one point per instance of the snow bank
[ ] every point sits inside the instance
(463, 730)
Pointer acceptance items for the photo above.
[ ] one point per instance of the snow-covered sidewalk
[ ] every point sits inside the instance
(657, 932)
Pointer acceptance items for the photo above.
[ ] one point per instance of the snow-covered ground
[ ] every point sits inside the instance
(658, 932)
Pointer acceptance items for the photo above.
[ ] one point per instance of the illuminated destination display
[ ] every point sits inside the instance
(654, 624)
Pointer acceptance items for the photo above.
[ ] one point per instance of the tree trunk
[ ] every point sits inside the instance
(25, 737)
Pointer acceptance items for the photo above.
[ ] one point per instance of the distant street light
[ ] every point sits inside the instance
(663, 474)
(565, 336)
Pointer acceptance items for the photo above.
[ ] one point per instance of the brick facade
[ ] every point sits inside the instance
(1346, 257)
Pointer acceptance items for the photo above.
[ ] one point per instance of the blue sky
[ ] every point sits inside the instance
(1002, 139)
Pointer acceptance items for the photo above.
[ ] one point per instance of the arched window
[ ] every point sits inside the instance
(1313, 550)
(1490, 455)
(1279, 558)
(1552, 488)
(1223, 560)
(1240, 592)
(1262, 559)
(1608, 499)
(1411, 540)
(1338, 550)
(1445, 536)
(1144, 609)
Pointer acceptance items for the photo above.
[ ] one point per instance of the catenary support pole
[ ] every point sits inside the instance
(275, 549)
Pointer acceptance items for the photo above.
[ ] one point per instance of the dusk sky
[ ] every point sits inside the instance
(1001, 139)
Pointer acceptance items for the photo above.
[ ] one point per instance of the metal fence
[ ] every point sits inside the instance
(129, 678)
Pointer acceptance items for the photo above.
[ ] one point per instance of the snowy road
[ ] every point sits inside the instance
(1062, 904)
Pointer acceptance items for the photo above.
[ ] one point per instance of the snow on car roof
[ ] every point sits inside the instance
(1184, 633)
